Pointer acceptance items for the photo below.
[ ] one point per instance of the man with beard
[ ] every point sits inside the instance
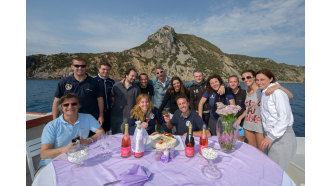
(144, 86)
(124, 98)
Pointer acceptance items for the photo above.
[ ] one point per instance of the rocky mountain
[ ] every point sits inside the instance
(179, 54)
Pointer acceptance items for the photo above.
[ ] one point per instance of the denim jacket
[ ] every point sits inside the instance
(159, 91)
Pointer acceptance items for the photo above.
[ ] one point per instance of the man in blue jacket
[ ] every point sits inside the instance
(160, 83)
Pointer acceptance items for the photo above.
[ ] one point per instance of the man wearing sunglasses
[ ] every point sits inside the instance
(160, 83)
(85, 87)
(57, 136)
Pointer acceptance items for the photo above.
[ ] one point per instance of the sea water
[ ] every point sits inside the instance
(40, 96)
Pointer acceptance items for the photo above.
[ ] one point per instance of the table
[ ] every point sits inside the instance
(245, 166)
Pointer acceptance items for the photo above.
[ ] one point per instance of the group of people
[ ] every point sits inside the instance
(86, 106)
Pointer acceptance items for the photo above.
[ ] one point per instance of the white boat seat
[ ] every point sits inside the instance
(33, 148)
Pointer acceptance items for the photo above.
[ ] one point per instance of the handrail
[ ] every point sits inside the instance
(38, 121)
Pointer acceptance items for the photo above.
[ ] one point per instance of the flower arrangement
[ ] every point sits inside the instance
(226, 133)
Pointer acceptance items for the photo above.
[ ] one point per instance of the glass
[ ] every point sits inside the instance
(82, 66)
(247, 77)
(227, 135)
(78, 154)
(72, 104)
(210, 170)
(104, 143)
(160, 72)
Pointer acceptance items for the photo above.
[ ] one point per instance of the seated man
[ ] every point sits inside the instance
(183, 117)
(58, 134)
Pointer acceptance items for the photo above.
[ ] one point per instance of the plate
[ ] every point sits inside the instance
(179, 144)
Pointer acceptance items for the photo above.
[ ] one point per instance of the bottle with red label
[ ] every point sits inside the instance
(126, 144)
(190, 143)
(203, 142)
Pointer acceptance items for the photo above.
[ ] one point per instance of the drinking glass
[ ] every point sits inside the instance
(210, 170)
(101, 139)
(77, 154)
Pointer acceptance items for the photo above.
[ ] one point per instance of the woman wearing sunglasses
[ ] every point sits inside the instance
(277, 120)
(177, 88)
(253, 129)
(213, 84)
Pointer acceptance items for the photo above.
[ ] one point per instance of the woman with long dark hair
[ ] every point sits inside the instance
(213, 84)
(277, 120)
(253, 129)
(177, 88)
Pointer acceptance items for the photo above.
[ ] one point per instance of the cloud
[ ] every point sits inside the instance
(256, 26)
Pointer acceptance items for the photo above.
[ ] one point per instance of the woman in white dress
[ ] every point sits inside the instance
(277, 121)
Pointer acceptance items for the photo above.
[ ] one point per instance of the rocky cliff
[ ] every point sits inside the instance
(179, 54)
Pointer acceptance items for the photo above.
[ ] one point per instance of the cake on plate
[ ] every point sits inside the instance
(163, 141)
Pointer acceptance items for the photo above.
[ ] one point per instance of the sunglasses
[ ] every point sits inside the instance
(82, 66)
(72, 104)
(247, 77)
(160, 72)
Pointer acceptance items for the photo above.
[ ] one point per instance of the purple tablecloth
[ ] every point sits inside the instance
(245, 166)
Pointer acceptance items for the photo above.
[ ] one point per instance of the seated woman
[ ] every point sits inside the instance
(213, 84)
(57, 135)
(277, 120)
(144, 111)
(177, 88)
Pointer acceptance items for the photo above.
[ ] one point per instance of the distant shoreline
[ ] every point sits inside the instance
(289, 82)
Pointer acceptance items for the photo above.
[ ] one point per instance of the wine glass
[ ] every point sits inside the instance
(167, 112)
(108, 140)
(148, 117)
(210, 170)
(101, 139)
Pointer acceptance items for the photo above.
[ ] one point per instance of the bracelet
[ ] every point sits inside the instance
(91, 140)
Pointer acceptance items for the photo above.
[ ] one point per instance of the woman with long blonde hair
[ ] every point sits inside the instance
(146, 113)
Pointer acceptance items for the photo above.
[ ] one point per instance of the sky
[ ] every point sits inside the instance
(259, 28)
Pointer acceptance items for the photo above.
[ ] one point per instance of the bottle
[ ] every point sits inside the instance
(190, 143)
(139, 145)
(126, 144)
(203, 142)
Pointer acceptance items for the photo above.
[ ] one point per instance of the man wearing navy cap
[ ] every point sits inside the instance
(85, 87)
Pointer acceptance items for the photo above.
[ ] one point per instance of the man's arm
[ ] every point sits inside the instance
(55, 112)
(199, 133)
(100, 103)
(93, 138)
(200, 106)
(47, 151)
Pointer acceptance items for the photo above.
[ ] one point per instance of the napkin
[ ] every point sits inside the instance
(137, 175)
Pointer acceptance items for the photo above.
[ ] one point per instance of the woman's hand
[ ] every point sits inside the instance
(271, 89)
(266, 143)
(167, 118)
(221, 90)
(237, 122)
(144, 124)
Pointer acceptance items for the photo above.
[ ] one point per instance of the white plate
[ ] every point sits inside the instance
(179, 145)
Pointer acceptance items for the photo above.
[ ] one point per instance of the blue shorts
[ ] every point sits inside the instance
(241, 131)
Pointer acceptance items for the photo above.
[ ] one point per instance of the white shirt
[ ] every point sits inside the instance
(276, 114)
